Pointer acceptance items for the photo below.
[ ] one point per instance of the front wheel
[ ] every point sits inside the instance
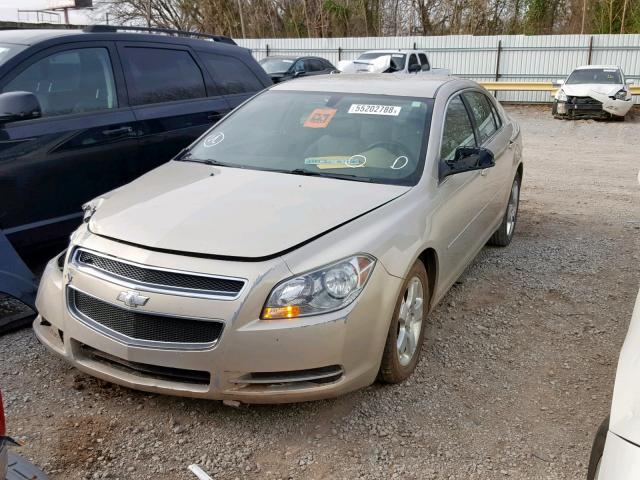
(406, 332)
(503, 235)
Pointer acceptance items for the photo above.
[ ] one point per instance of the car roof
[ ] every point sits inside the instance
(403, 85)
(586, 67)
(33, 36)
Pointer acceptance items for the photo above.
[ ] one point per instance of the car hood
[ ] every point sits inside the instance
(625, 407)
(230, 212)
(585, 89)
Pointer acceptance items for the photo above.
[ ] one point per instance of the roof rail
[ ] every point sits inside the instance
(165, 31)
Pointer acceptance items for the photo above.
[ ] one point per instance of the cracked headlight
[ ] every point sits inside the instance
(561, 96)
(621, 95)
(324, 290)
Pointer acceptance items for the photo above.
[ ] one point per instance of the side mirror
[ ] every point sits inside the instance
(16, 106)
(414, 68)
(297, 73)
(629, 81)
(467, 159)
(559, 82)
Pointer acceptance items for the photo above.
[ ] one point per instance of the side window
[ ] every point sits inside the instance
(457, 130)
(413, 60)
(156, 75)
(230, 74)
(483, 115)
(72, 81)
(424, 61)
(496, 114)
(315, 65)
(327, 65)
(299, 66)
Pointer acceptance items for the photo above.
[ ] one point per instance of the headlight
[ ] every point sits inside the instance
(90, 208)
(323, 290)
(621, 95)
(561, 96)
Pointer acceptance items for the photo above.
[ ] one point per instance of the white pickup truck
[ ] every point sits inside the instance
(391, 61)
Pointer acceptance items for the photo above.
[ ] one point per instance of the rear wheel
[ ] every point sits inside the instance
(503, 235)
(406, 332)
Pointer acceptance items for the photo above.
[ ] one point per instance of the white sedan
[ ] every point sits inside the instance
(593, 91)
(616, 449)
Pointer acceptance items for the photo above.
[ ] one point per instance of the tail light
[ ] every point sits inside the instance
(3, 424)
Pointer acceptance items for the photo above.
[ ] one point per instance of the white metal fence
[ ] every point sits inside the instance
(512, 58)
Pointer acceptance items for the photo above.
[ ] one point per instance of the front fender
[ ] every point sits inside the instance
(15, 277)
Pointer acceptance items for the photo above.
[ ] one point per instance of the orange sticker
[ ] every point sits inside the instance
(320, 118)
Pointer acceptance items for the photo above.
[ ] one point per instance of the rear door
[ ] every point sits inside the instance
(83, 145)
(173, 99)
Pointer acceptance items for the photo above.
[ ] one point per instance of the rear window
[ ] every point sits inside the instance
(231, 74)
(156, 75)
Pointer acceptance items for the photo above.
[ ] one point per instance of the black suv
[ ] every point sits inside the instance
(85, 111)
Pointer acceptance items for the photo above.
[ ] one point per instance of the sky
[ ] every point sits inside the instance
(9, 11)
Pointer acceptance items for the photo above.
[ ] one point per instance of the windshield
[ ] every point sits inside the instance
(276, 65)
(374, 138)
(595, 75)
(8, 50)
(397, 59)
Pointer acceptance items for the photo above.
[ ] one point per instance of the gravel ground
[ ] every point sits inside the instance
(515, 376)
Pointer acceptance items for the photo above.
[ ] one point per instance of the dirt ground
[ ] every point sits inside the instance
(515, 377)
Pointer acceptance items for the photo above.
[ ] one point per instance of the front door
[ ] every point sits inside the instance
(83, 145)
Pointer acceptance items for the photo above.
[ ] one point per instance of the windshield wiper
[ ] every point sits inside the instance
(206, 161)
(343, 176)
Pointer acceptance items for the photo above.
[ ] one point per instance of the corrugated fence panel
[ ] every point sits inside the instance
(541, 58)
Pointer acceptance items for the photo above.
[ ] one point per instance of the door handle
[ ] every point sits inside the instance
(117, 131)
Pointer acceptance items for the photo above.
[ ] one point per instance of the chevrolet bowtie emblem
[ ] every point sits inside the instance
(132, 299)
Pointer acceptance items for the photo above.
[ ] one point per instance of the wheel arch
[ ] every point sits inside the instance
(429, 258)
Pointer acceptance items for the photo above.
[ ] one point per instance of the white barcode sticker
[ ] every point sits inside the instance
(375, 109)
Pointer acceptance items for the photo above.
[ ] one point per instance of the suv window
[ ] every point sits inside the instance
(157, 75)
(457, 130)
(424, 61)
(483, 115)
(231, 74)
(72, 81)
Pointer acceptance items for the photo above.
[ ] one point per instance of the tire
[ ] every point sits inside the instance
(406, 331)
(503, 235)
(597, 449)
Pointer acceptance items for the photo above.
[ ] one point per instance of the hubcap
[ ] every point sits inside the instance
(512, 208)
(410, 321)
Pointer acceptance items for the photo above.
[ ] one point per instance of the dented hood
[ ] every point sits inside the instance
(586, 89)
(196, 208)
(625, 408)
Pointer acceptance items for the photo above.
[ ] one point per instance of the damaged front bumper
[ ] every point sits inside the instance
(595, 106)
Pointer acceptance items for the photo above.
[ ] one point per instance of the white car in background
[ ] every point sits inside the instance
(616, 448)
(593, 91)
(391, 61)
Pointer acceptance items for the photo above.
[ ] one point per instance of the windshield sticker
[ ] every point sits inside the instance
(213, 140)
(338, 161)
(375, 109)
(399, 163)
(612, 70)
(397, 55)
(320, 118)
(356, 161)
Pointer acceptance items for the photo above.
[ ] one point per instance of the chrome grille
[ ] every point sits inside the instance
(156, 278)
(141, 326)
